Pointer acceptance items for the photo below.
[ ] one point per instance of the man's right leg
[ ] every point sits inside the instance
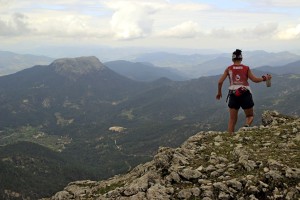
(232, 119)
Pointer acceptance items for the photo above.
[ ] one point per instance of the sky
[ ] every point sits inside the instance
(224, 25)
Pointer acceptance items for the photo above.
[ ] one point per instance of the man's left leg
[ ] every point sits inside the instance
(249, 116)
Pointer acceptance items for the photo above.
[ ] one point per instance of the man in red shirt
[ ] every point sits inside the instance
(239, 89)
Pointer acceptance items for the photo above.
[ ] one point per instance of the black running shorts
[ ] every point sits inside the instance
(245, 101)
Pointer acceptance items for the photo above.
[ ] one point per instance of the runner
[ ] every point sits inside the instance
(239, 90)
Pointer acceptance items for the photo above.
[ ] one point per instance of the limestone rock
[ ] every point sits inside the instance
(258, 163)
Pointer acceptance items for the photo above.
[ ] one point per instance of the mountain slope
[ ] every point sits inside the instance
(290, 68)
(143, 71)
(257, 163)
(12, 62)
(65, 107)
(177, 61)
(23, 164)
(260, 58)
(67, 86)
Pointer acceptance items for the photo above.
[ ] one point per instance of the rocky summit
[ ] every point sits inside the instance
(71, 67)
(254, 163)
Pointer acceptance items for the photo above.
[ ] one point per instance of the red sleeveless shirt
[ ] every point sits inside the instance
(238, 76)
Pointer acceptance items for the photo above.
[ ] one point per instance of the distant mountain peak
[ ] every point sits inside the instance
(75, 67)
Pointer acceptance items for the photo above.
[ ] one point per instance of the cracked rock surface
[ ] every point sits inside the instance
(254, 163)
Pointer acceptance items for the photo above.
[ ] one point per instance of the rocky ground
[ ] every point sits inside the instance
(254, 163)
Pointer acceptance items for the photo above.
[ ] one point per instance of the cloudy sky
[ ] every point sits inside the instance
(272, 25)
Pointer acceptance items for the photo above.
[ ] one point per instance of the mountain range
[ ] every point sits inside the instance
(158, 64)
(290, 68)
(12, 62)
(144, 71)
(70, 110)
(212, 64)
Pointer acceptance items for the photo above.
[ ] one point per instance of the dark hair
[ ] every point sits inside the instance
(237, 55)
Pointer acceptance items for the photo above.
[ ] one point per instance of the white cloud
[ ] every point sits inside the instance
(263, 30)
(4, 3)
(56, 24)
(155, 22)
(260, 31)
(135, 19)
(132, 20)
(277, 3)
(6, 6)
(222, 33)
(188, 29)
(46, 19)
(290, 33)
(190, 7)
(60, 26)
(14, 25)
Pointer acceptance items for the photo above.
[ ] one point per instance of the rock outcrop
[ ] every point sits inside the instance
(76, 67)
(254, 163)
